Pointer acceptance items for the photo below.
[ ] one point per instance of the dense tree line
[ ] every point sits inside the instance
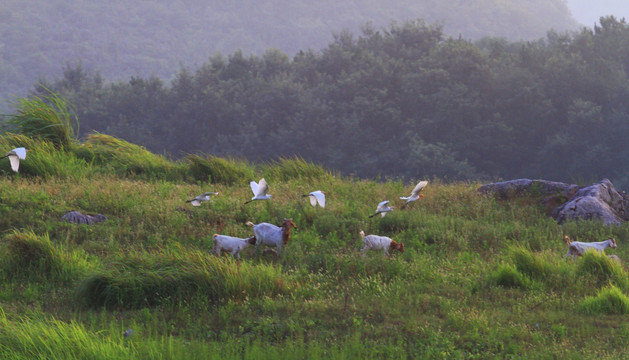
(400, 101)
(122, 38)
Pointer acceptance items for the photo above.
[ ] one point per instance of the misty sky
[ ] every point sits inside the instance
(587, 12)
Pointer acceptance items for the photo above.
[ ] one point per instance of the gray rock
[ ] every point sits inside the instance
(597, 201)
(76, 217)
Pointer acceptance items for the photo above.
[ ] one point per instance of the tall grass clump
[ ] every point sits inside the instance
(218, 170)
(609, 301)
(27, 255)
(507, 275)
(297, 168)
(48, 117)
(27, 338)
(149, 280)
(125, 158)
(603, 269)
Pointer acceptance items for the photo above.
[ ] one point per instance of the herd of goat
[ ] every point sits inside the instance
(278, 236)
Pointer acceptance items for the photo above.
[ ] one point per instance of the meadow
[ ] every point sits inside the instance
(480, 278)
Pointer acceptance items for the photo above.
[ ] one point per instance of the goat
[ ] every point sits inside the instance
(578, 248)
(615, 258)
(376, 242)
(230, 243)
(271, 235)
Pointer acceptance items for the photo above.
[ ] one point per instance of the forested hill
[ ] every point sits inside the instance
(402, 101)
(122, 38)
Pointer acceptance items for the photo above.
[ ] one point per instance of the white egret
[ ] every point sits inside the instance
(201, 198)
(383, 208)
(259, 190)
(316, 197)
(15, 156)
(415, 194)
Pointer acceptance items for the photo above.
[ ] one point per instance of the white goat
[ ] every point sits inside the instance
(271, 235)
(578, 248)
(376, 242)
(232, 244)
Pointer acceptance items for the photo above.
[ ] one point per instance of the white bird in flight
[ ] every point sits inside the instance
(415, 194)
(316, 197)
(259, 190)
(382, 209)
(15, 156)
(201, 198)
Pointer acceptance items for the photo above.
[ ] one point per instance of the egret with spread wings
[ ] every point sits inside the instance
(259, 190)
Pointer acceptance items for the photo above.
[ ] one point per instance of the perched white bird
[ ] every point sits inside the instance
(15, 156)
(259, 190)
(316, 197)
(415, 194)
(201, 198)
(382, 209)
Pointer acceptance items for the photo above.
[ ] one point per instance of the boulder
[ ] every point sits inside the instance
(597, 201)
(77, 217)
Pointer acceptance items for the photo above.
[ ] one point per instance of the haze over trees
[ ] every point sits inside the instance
(140, 38)
(399, 101)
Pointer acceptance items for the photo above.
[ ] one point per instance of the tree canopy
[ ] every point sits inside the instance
(401, 101)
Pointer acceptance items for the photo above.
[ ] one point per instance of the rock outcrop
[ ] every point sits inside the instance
(519, 187)
(569, 201)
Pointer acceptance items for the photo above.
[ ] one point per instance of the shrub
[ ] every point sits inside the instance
(609, 300)
(46, 118)
(218, 170)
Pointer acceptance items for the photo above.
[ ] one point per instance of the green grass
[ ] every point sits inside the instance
(480, 278)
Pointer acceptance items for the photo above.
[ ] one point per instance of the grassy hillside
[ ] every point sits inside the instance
(480, 277)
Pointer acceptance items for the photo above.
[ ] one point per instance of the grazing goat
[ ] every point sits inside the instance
(271, 235)
(375, 242)
(230, 243)
(615, 258)
(578, 248)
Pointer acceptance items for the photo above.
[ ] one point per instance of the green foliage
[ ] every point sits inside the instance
(608, 301)
(218, 170)
(46, 117)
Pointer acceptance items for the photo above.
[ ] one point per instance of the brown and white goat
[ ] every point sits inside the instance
(376, 242)
(578, 248)
(231, 244)
(271, 235)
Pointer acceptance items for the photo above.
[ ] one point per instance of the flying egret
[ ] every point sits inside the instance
(415, 194)
(316, 197)
(15, 156)
(383, 208)
(201, 198)
(259, 190)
